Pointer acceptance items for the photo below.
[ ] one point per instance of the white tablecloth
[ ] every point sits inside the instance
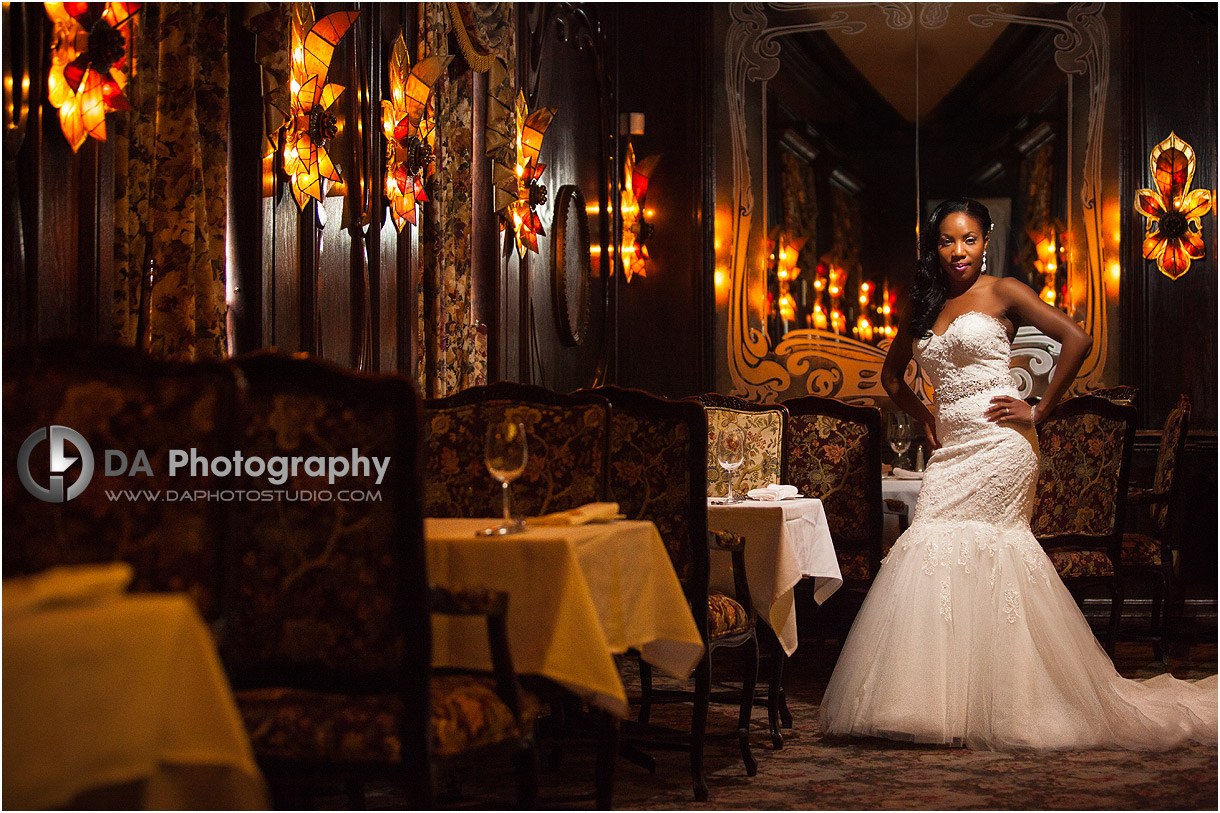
(125, 689)
(893, 488)
(785, 541)
(577, 596)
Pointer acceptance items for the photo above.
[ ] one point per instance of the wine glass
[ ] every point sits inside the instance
(504, 452)
(899, 433)
(730, 453)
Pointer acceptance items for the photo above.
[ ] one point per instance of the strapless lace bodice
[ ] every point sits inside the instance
(973, 352)
(968, 366)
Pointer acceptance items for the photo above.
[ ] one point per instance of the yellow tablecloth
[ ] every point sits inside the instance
(786, 541)
(577, 596)
(125, 689)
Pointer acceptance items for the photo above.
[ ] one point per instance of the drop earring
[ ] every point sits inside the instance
(984, 263)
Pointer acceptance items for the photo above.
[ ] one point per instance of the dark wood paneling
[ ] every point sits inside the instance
(394, 313)
(484, 266)
(565, 59)
(23, 52)
(385, 342)
(336, 276)
(1196, 533)
(57, 233)
(1169, 326)
(660, 318)
(246, 209)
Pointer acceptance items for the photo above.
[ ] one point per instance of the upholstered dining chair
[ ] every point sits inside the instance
(764, 431)
(327, 633)
(658, 472)
(130, 411)
(566, 436)
(1152, 555)
(1124, 394)
(833, 452)
(1086, 445)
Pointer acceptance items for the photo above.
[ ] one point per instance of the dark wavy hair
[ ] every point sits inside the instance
(928, 291)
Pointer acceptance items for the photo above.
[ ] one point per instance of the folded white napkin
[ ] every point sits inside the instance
(772, 492)
(590, 512)
(76, 584)
(903, 474)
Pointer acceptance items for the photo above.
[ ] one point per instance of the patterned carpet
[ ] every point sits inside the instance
(812, 773)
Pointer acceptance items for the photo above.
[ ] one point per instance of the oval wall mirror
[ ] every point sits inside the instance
(571, 265)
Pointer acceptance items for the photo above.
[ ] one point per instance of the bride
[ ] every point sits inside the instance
(968, 637)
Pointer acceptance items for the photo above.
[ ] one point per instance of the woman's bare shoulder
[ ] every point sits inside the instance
(1010, 290)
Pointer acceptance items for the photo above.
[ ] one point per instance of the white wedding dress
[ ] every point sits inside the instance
(968, 636)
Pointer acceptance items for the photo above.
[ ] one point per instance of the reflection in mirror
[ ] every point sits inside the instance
(846, 124)
(869, 130)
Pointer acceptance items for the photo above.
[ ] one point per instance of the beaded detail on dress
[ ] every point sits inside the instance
(958, 390)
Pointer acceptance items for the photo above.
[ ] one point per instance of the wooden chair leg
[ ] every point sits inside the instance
(1159, 622)
(419, 790)
(607, 758)
(526, 763)
(749, 680)
(1116, 612)
(698, 726)
(1171, 611)
(775, 688)
(559, 726)
(645, 692)
(354, 788)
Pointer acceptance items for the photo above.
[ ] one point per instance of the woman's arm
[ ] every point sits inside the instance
(893, 379)
(1021, 300)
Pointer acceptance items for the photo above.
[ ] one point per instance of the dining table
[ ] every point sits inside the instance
(117, 700)
(578, 595)
(906, 489)
(786, 541)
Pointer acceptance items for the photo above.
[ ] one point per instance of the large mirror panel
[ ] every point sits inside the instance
(845, 124)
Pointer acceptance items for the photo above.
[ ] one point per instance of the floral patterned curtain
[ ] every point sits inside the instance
(171, 158)
(453, 345)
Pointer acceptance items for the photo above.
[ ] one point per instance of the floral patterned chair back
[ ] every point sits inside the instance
(131, 412)
(1173, 444)
(1085, 448)
(1081, 493)
(328, 564)
(657, 473)
(1153, 556)
(834, 454)
(764, 428)
(567, 440)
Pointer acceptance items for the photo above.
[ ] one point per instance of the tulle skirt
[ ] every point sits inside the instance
(968, 637)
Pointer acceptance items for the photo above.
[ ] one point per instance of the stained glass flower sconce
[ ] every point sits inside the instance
(90, 63)
(310, 126)
(784, 250)
(410, 131)
(525, 188)
(636, 228)
(1172, 235)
